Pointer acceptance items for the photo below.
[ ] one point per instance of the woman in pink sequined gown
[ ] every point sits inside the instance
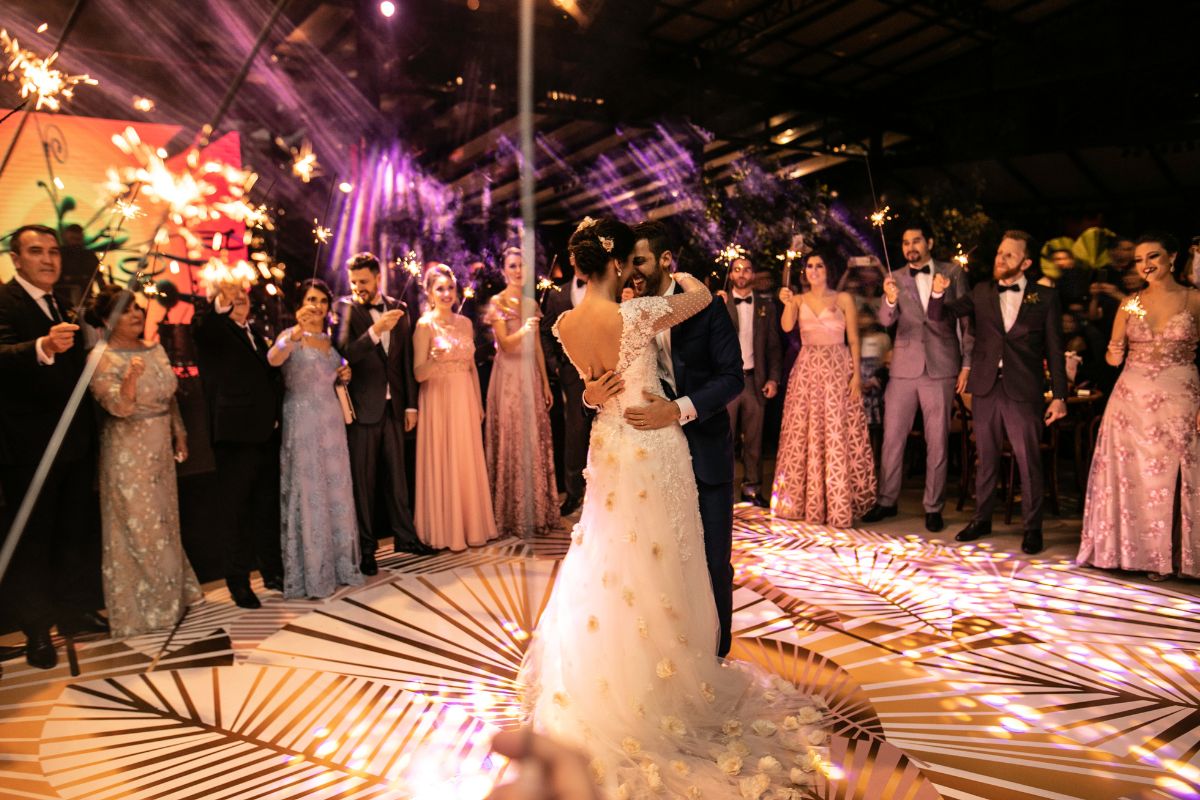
(520, 454)
(453, 507)
(1148, 451)
(824, 472)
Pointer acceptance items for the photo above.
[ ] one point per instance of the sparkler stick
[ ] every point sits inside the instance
(879, 217)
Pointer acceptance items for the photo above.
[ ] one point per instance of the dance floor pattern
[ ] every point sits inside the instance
(954, 672)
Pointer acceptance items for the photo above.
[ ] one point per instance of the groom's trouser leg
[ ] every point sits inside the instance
(900, 402)
(577, 431)
(716, 515)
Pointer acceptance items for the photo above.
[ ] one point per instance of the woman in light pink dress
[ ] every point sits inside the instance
(824, 472)
(1143, 494)
(520, 451)
(453, 507)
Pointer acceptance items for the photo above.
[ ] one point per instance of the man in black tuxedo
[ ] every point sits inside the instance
(700, 365)
(577, 423)
(41, 359)
(753, 315)
(243, 396)
(375, 338)
(1018, 326)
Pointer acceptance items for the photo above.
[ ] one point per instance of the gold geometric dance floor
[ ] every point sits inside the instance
(954, 672)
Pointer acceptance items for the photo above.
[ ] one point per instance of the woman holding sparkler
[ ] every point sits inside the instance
(453, 508)
(1143, 485)
(148, 582)
(520, 451)
(824, 472)
(319, 530)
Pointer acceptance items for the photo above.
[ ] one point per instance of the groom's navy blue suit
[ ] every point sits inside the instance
(707, 360)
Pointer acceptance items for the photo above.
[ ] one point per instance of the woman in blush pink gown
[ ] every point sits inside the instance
(453, 508)
(1144, 490)
(824, 472)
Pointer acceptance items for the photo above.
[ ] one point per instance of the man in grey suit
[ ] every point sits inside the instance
(754, 318)
(927, 368)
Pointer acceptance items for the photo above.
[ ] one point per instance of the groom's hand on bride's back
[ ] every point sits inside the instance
(551, 770)
(659, 412)
(597, 391)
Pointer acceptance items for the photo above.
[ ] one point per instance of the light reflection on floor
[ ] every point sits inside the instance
(956, 672)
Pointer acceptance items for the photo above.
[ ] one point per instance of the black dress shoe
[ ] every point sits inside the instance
(974, 530)
(367, 565)
(87, 622)
(879, 512)
(756, 499)
(1031, 544)
(418, 548)
(243, 596)
(273, 582)
(934, 521)
(39, 651)
(570, 506)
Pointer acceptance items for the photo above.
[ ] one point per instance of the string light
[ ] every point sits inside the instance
(38, 77)
(143, 104)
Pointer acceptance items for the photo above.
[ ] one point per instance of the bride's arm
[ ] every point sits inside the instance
(694, 298)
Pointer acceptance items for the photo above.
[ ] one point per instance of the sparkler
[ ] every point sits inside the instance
(1133, 307)
(880, 217)
(304, 161)
(37, 77)
(321, 234)
(797, 249)
(129, 210)
(143, 104)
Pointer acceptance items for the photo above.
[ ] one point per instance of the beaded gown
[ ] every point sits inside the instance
(316, 499)
(1147, 446)
(622, 662)
(148, 582)
(520, 450)
(825, 472)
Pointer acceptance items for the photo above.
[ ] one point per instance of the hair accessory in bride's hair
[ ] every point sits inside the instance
(588, 222)
(606, 242)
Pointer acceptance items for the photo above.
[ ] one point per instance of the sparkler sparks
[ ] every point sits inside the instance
(881, 216)
(544, 284)
(321, 234)
(1133, 307)
(37, 77)
(731, 253)
(304, 162)
(143, 104)
(410, 264)
(129, 210)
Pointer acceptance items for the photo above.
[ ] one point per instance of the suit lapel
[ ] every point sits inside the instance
(731, 307)
(676, 344)
(32, 307)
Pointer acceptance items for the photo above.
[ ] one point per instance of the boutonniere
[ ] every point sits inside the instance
(1031, 299)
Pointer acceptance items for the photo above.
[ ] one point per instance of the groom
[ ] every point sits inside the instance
(700, 366)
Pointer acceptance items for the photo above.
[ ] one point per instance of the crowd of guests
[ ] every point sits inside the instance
(309, 431)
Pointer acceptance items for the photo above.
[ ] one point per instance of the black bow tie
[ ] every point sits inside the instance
(915, 272)
(380, 307)
(737, 300)
(580, 283)
(1010, 288)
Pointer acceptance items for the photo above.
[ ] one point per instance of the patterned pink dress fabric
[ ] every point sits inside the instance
(1147, 442)
(520, 450)
(825, 472)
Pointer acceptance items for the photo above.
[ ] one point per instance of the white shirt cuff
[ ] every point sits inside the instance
(932, 295)
(586, 404)
(413, 410)
(43, 359)
(687, 411)
(374, 336)
(890, 304)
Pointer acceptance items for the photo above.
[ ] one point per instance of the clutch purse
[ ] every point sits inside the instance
(343, 396)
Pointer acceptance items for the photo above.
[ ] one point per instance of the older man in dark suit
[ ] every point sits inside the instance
(41, 359)
(1018, 327)
(375, 338)
(753, 315)
(243, 396)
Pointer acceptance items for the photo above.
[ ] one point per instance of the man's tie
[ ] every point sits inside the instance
(1010, 288)
(53, 306)
(737, 300)
(380, 307)
(915, 272)
(580, 283)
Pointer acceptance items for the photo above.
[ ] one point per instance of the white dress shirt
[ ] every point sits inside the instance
(745, 315)
(1010, 303)
(924, 283)
(39, 297)
(577, 291)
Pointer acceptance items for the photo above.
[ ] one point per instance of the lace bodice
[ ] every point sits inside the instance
(1174, 346)
(826, 328)
(455, 344)
(642, 319)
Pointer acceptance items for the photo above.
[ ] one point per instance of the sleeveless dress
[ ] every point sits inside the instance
(824, 473)
(1147, 447)
(319, 530)
(520, 450)
(622, 663)
(148, 582)
(453, 507)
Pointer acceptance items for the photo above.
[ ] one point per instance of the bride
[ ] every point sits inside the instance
(621, 663)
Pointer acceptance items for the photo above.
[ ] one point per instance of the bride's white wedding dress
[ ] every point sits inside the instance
(622, 663)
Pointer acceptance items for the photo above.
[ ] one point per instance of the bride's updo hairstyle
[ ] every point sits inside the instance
(596, 241)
